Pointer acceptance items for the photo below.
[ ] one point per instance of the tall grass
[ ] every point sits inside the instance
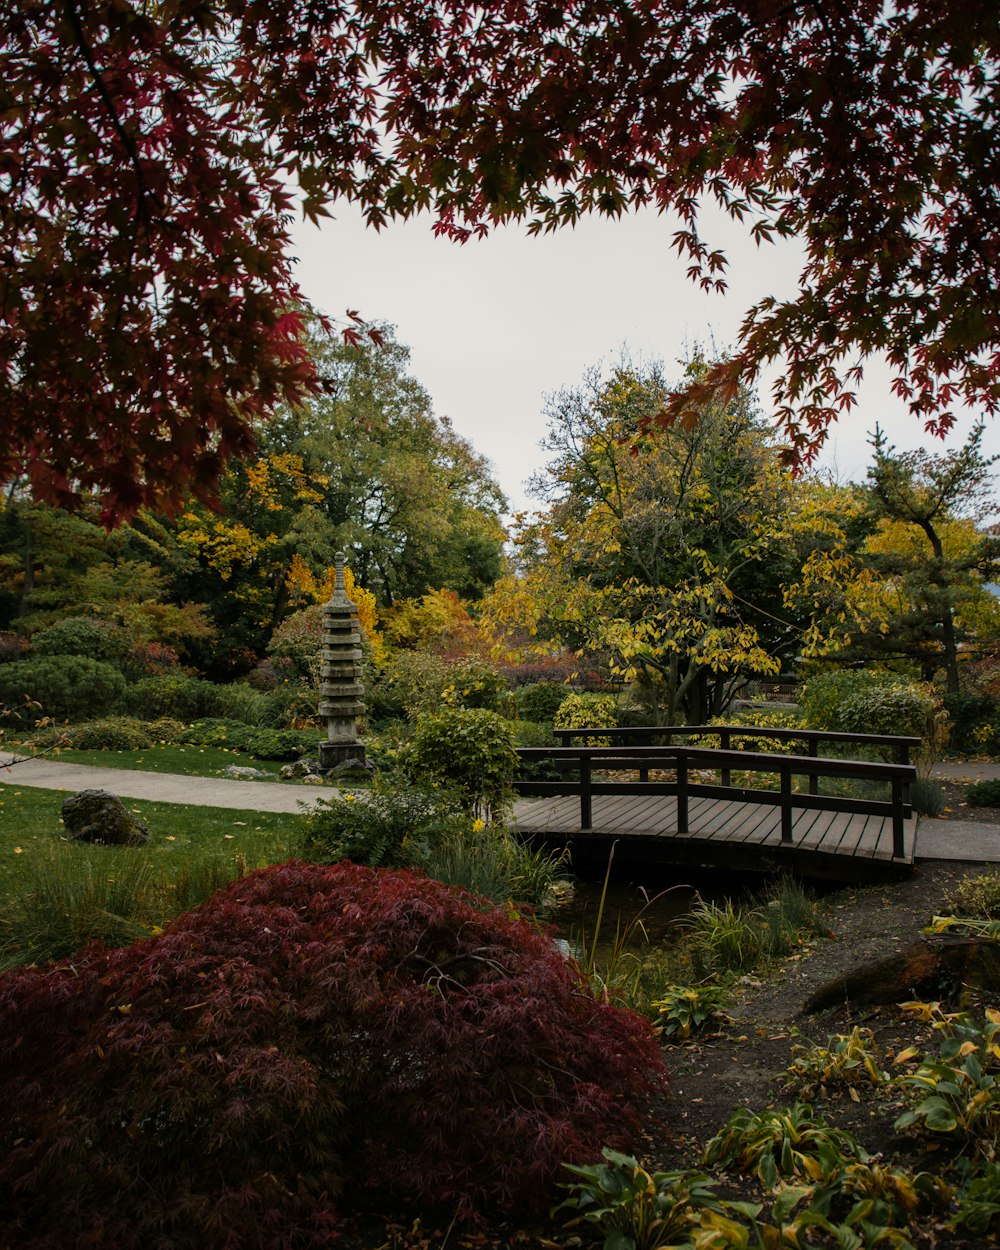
(57, 895)
(732, 937)
(494, 863)
(114, 895)
(626, 970)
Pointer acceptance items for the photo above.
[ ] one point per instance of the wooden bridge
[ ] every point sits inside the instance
(725, 806)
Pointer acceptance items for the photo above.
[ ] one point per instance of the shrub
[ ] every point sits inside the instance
(297, 642)
(309, 1037)
(470, 749)
(474, 683)
(974, 717)
(540, 701)
(976, 897)
(174, 694)
(150, 659)
(383, 827)
(984, 793)
(868, 701)
(165, 729)
(117, 733)
(411, 681)
(927, 797)
(13, 647)
(262, 744)
(492, 862)
(88, 636)
(68, 687)
(531, 733)
(586, 711)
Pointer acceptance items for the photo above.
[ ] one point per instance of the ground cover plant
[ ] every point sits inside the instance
(310, 1039)
(56, 895)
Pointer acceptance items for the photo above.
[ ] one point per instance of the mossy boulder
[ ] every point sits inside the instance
(98, 816)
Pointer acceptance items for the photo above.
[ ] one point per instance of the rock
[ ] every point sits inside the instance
(243, 772)
(301, 768)
(937, 967)
(312, 780)
(97, 816)
(352, 767)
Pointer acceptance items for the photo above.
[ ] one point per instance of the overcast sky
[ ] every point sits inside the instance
(495, 325)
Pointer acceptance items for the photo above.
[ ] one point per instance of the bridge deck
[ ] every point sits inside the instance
(722, 833)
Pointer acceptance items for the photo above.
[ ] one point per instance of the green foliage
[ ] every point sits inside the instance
(470, 749)
(976, 897)
(116, 733)
(781, 1144)
(297, 643)
(974, 717)
(732, 937)
(165, 730)
(640, 1210)
(173, 694)
(391, 824)
(957, 1093)
(67, 687)
(69, 901)
(540, 701)
(88, 636)
(532, 733)
(870, 701)
(684, 1010)
(984, 793)
(586, 711)
(978, 1203)
(490, 861)
(411, 681)
(726, 937)
(73, 895)
(846, 1061)
(927, 797)
(474, 683)
(262, 744)
(239, 701)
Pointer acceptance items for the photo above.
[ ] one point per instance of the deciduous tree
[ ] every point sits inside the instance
(664, 555)
(148, 316)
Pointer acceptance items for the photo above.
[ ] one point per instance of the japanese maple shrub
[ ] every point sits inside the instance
(310, 1037)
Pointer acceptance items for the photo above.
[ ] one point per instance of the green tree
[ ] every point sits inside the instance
(410, 499)
(665, 554)
(929, 547)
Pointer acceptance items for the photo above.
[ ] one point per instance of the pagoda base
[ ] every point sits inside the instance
(333, 754)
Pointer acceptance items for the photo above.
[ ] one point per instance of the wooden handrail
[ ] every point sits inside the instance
(681, 760)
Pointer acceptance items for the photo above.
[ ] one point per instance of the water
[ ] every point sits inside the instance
(652, 905)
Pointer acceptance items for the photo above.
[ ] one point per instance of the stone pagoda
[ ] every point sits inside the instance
(341, 689)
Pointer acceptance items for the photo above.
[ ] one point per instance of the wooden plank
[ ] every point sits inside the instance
(719, 823)
(749, 822)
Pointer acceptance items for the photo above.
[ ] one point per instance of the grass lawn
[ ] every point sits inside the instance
(188, 761)
(55, 894)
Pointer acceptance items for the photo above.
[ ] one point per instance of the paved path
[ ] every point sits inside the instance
(254, 796)
(962, 840)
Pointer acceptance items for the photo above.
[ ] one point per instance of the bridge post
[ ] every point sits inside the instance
(586, 804)
(786, 805)
(812, 746)
(726, 777)
(682, 793)
(897, 817)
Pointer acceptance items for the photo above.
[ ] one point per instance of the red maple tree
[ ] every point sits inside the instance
(149, 316)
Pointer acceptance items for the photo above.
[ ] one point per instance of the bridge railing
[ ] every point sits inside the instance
(900, 747)
(583, 772)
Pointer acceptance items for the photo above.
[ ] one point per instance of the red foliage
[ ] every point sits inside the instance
(310, 1036)
(148, 312)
